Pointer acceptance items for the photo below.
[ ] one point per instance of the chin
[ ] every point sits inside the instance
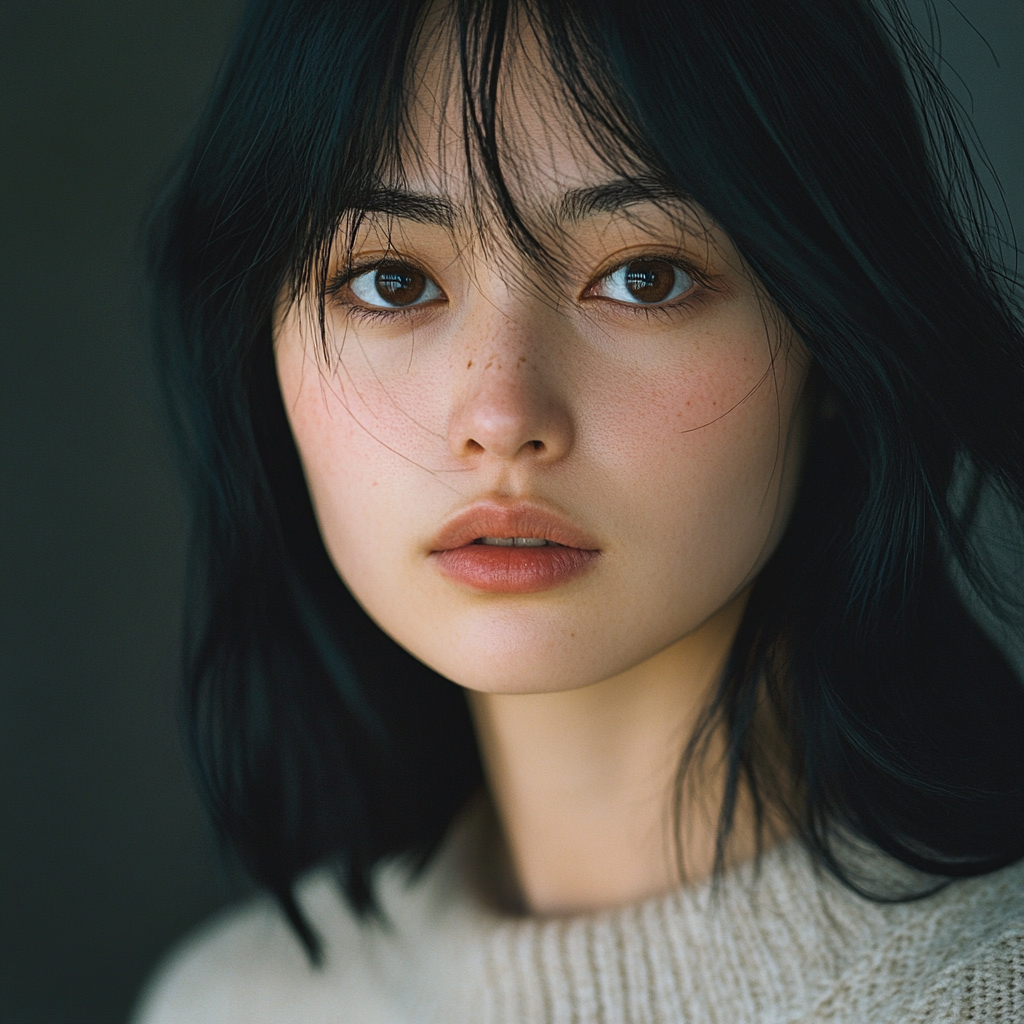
(515, 673)
(518, 664)
(522, 683)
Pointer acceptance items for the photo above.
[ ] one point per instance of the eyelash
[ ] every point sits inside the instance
(333, 292)
(691, 299)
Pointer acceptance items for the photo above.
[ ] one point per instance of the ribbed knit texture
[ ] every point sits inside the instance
(781, 944)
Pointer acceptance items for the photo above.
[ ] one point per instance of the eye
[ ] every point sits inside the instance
(644, 282)
(393, 286)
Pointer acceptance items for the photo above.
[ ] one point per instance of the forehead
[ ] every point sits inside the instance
(537, 145)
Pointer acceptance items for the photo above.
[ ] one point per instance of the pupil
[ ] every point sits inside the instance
(401, 286)
(650, 280)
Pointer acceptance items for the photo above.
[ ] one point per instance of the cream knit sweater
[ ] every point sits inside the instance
(780, 944)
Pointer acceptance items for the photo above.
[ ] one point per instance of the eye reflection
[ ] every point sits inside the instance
(393, 286)
(644, 282)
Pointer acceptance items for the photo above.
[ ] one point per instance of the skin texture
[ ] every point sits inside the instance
(671, 436)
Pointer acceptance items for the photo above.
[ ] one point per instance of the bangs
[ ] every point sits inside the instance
(452, 108)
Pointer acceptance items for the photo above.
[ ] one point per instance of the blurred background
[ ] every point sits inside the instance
(106, 858)
(104, 855)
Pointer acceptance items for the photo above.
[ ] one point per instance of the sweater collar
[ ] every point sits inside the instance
(767, 939)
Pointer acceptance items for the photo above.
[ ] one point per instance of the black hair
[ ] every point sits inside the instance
(818, 135)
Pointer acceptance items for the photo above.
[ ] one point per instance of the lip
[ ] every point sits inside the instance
(512, 570)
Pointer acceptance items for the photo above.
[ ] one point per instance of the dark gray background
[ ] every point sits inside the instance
(105, 857)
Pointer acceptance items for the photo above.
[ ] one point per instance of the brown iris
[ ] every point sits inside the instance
(399, 285)
(650, 280)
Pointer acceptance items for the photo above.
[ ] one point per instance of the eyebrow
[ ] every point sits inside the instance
(612, 196)
(421, 207)
(576, 204)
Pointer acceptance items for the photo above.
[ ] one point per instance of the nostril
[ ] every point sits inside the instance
(536, 445)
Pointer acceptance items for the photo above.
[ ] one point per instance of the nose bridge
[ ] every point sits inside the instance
(510, 399)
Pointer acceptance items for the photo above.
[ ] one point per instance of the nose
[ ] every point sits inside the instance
(511, 402)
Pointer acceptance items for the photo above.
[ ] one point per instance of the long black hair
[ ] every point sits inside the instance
(819, 137)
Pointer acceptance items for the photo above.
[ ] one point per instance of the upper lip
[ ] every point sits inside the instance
(515, 519)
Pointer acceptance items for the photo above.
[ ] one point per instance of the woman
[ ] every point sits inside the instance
(641, 371)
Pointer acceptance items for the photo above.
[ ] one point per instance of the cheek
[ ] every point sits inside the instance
(367, 407)
(335, 431)
(704, 457)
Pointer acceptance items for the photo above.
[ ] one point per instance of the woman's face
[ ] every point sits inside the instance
(634, 416)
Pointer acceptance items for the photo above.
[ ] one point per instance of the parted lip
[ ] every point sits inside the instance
(514, 519)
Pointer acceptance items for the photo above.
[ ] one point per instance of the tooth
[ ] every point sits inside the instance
(501, 542)
(530, 542)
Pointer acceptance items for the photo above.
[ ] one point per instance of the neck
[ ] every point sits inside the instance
(584, 780)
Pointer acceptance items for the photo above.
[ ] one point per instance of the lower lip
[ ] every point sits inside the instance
(510, 570)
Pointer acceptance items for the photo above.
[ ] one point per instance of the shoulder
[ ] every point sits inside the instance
(247, 966)
(986, 984)
(982, 949)
(952, 958)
